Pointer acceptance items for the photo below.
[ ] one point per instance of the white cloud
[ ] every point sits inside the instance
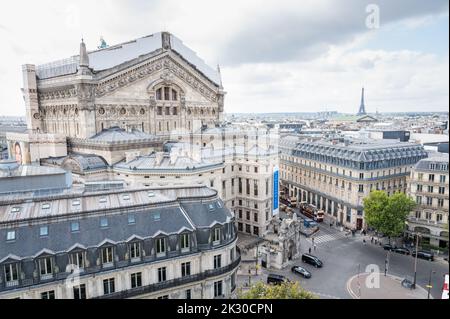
(275, 55)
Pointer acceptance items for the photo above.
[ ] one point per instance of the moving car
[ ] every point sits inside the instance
(301, 271)
(276, 279)
(402, 250)
(388, 247)
(422, 254)
(312, 260)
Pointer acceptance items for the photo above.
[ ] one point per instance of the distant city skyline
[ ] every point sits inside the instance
(282, 56)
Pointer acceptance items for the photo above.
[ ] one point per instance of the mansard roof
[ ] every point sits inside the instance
(363, 151)
(165, 162)
(113, 56)
(436, 162)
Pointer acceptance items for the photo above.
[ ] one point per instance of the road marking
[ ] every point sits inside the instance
(326, 238)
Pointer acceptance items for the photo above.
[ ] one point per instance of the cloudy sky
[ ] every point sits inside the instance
(275, 56)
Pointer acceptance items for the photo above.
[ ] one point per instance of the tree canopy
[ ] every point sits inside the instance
(387, 214)
(288, 290)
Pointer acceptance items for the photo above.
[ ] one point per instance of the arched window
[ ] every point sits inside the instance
(167, 94)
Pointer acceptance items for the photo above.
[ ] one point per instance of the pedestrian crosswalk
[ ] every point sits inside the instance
(318, 239)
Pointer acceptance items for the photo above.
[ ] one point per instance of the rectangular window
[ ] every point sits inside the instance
(255, 187)
(240, 227)
(43, 231)
(136, 280)
(218, 289)
(74, 227)
(419, 188)
(185, 269)
(442, 178)
(48, 294)
(248, 229)
(217, 261)
(431, 177)
(184, 242)
(104, 222)
(162, 276)
(188, 294)
(77, 259)
(255, 217)
(131, 219)
(135, 251)
(440, 202)
(216, 236)
(429, 201)
(11, 274)
(10, 235)
(79, 292)
(46, 267)
(161, 246)
(430, 189)
(256, 230)
(441, 190)
(361, 188)
(418, 200)
(108, 286)
(107, 256)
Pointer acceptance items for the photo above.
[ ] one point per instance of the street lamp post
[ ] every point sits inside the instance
(429, 283)
(415, 260)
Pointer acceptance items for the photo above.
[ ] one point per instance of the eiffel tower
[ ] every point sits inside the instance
(362, 108)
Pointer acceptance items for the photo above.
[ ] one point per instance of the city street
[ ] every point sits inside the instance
(344, 255)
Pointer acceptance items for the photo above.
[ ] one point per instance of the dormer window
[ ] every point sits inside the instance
(160, 247)
(45, 206)
(151, 194)
(185, 242)
(12, 274)
(135, 251)
(103, 200)
(45, 268)
(216, 236)
(15, 210)
(107, 256)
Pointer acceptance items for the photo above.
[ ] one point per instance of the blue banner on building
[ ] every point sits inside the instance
(276, 195)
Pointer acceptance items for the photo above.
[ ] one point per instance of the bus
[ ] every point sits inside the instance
(311, 211)
(445, 288)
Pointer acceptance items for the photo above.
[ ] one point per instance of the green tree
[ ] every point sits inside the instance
(288, 290)
(387, 214)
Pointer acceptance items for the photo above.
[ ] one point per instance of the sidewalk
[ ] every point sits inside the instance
(389, 288)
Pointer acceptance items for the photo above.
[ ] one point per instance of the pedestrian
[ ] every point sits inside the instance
(364, 241)
(331, 225)
(309, 249)
(315, 247)
(371, 240)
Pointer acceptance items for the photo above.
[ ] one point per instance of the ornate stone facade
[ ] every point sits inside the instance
(156, 92)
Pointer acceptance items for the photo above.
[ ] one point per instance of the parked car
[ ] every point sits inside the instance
(402, 250)
(422, 254)
(312, 260)
(276, 279)
(301, 271)
(388, 247)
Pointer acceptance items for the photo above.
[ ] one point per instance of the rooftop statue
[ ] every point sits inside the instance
(103, 44)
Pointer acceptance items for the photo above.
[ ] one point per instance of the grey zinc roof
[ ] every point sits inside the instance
(115, 134)
(207, 213)
(28, 242)
(440, 161)
(367, 150)
(150, 162)
(89, 161)
(110, 57)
